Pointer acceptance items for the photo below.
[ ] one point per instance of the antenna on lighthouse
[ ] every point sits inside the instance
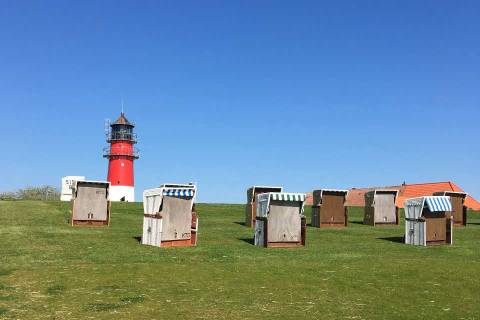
(122, 104)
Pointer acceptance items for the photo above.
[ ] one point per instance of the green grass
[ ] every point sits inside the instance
(49, 270)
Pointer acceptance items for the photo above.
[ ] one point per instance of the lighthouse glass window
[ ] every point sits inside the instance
(122, 131)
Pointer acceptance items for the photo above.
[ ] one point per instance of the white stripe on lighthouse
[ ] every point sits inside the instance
(119, 192)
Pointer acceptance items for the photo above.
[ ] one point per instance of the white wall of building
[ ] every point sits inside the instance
(67, 186)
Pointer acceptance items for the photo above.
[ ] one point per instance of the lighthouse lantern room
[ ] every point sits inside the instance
(120, 155)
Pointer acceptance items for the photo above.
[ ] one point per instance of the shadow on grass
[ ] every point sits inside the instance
(138, 238)
(248, 240)
(240, 223)
(56, 289)
(356, 222)
(5, 272)
(133, 299)
(393, 239)
(98, 307)
(124, 302)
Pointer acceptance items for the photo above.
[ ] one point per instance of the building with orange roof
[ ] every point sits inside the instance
(427, 189)
(356, 196)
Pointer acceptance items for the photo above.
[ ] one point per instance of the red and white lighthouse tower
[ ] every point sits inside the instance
(121, 155)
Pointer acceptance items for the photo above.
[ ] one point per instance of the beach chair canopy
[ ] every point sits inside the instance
(414, 207)
(153, 198)
(318, 194)
(263, 200)
(260, 189)
(373, 193)
(77, 184)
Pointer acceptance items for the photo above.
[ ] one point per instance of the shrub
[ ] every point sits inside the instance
(32, 193)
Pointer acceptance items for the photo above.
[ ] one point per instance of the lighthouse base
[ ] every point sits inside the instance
(122, 193)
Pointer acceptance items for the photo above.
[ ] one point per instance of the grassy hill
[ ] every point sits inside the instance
(50, 270)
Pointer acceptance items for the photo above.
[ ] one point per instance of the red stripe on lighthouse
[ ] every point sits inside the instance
(120, 165)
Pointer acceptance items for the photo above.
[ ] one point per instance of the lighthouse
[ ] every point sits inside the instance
(121, 154)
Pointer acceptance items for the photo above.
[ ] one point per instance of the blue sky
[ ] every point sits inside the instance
(304, 94)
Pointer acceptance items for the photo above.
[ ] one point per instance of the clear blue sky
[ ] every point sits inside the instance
(304, 94)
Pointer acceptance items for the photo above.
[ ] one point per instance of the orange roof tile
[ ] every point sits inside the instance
(356, 197)
(423, 189)
(428, 189)
(472, 203)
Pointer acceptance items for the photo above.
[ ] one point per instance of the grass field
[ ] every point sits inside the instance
(49, 270)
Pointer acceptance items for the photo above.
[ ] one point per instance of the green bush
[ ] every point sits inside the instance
(32, 193)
